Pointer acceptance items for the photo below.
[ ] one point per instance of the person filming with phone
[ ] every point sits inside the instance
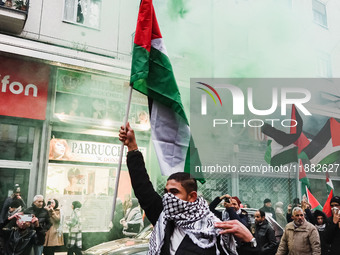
(20, 239)
(43, 223)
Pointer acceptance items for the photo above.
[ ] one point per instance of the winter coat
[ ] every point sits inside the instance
(332, 236)
(75, 235)
(43, 217)
(265, 239)
(303, 240)
(53, 236)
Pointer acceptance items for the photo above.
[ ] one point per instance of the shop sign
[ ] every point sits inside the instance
(23, 88)
(85, 151)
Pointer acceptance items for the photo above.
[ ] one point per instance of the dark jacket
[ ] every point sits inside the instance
(243, 217)
(20, 242)
(269, 210)
(265, 238)
(151, 202)
(5, 207)
(43, 217)
(332, 236)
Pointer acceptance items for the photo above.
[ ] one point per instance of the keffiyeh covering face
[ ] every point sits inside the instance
(195, 219)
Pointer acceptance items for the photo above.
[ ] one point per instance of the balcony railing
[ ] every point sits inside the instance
(13, 15)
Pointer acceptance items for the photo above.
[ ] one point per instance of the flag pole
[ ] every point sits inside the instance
(115, 192)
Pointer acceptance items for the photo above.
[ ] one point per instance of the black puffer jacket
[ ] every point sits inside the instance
(44, 220)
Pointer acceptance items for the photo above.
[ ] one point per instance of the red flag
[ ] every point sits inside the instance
(327, 207)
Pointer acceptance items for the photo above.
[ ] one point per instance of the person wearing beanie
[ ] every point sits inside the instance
(16, 195)
(332, 231)
(74, 243)
(267, 207)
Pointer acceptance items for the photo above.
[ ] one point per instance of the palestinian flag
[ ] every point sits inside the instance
(152, 75)
(303, 178)
(281, 148)
(325, 146)
(327, 207)
(312, 200)
(329, 184)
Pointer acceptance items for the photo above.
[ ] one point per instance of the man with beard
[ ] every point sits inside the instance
(264, 235)
(183, 223)
(300, 236)
(43, 222)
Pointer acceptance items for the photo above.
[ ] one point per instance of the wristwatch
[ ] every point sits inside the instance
(253, 242)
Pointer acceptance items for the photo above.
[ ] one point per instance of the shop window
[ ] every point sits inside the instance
(319, 13)
(85, 12)
(83, 168)
(83, 98)
(16, 142)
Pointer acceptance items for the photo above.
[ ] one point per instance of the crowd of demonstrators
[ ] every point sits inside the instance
(332, 232)
(16, 196)
(300, 236)
(232, 209)
(267, 207)
(132, 222)
(183, 223)
(74, 242)
(54, 236)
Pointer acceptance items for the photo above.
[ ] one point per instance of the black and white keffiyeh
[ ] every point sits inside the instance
(196, 221)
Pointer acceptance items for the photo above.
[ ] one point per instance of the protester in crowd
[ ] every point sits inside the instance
(299, 237)
(38, 210)
(296, 203)
(320, 222)
(54, 236)
(264, 235)
(183, 223)
(232, 210)
(280, 215)
(133, 221)
(21, 239)
(14, 210)
(332, 233)
(74, 243)
(267, 207)
(15, 196)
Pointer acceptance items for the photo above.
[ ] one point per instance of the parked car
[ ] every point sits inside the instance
(138, 245)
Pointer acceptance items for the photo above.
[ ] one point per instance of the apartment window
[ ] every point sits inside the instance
(324, 65)
(319, 13)
(84, 12)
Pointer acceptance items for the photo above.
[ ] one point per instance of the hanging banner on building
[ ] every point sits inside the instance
(86, 151)
(23, 88)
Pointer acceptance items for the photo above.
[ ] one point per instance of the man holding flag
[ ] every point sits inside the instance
(183, 223)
